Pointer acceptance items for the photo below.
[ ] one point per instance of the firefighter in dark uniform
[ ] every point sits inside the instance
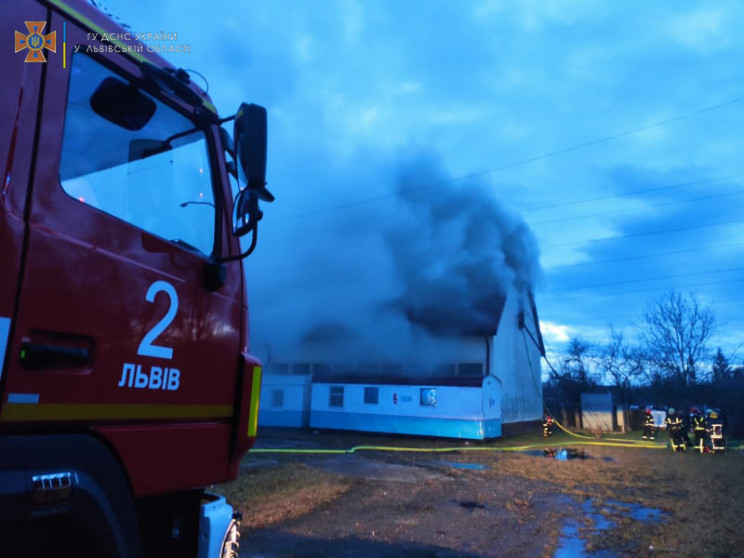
(700, 428)
(548, 425)
(674, 427)
(649, 426)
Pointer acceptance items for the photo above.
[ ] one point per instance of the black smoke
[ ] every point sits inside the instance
(457, 252)
(431, 257)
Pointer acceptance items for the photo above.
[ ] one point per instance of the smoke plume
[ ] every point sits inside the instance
(457, 252)
(435, 258)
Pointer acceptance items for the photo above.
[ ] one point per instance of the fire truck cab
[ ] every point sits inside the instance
(126, 382)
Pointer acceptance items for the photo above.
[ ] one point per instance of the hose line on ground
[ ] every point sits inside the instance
(526, 447)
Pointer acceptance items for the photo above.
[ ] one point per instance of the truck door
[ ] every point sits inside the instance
(114, 327)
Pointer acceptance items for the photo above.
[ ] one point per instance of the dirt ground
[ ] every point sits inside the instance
(484, 499)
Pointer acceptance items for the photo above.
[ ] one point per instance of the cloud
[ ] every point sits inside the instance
(555, 333)
(701, 29)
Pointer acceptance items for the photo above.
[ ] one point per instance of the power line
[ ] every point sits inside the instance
(647, 233)
(663, 278)
(646, 256)
(528, 160)
(584, 295)
(382, 197)
(605, 139)
(650, 206)
(645, 155)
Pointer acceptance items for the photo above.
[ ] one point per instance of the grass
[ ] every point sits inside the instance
(702, 496)
(273, 492)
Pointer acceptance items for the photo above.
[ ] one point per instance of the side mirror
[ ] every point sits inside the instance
(246, 213)
(250, 148)
(250, 143)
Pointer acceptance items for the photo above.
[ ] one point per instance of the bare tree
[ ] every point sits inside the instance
(574, 374)
(622, 362)
(675, 333)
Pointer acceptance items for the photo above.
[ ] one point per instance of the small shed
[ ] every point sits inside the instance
(599, 413)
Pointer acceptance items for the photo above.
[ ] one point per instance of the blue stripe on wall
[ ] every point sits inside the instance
(478, 429)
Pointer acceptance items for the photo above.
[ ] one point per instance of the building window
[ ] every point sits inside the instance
(371, 395)
(337, 396)
(277, 398)
(470, 369)
(428, 397)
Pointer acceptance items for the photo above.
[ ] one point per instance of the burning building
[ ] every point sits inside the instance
(422, 322)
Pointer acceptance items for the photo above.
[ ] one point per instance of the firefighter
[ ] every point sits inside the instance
(674, 427)
(649, 426)
(700, 428)
(548, 425)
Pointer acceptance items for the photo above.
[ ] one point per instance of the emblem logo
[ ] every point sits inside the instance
(35, 41)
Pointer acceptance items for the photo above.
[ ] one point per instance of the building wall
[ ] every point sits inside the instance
(285, 401)
(512, 356)
(516, 361)
(426, 409)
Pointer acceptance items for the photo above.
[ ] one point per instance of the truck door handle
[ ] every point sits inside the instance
(38, 355)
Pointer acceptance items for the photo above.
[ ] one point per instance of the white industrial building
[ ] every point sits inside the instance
(468, 386)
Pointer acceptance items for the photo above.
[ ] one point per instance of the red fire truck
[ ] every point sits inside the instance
(126, 382)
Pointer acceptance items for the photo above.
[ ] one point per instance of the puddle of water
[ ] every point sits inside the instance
(458, 465)
(600, 521)
(570, 543)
